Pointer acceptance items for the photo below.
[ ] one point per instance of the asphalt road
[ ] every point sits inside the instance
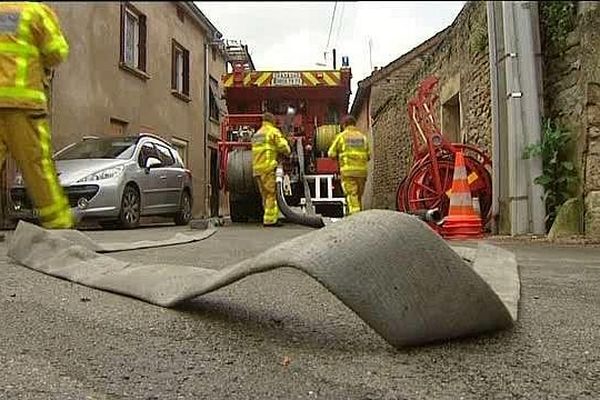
(280, 335)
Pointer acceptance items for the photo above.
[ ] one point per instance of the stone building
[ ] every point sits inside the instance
(459, 57)
(143, 67)
(571, 48)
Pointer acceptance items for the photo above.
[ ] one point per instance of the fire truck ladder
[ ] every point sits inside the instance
(237, 54)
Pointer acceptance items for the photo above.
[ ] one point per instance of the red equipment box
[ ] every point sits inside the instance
(326, 166)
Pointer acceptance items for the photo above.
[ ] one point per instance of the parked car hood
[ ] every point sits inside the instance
(70, 171)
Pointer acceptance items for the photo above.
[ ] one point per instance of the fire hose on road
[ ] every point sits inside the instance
(397, 275)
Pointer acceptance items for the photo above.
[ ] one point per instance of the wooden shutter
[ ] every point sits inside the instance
(186, 72)
(173, 65)
(122, 51)
(142, 44)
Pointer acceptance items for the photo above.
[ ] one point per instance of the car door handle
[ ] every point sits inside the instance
(180, 176)
(163, 177)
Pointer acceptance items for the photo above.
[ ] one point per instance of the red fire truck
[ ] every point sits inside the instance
(308, 106)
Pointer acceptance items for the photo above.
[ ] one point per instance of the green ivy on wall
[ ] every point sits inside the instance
(557, 20)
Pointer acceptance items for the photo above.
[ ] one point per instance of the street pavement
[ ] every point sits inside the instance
(280, 335)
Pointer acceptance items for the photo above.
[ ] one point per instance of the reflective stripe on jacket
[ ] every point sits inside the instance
(31, 42)
(267, 143)
(351, 148)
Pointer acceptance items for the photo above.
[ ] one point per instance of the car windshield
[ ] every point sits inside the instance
(107, 148)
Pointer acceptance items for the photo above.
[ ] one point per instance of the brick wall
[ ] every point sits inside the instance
(460, 61)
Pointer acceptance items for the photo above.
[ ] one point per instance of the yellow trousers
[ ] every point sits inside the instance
(26, 136)
(353, 188)
(268, 191)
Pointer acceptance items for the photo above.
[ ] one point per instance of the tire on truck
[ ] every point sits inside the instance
(245, 202)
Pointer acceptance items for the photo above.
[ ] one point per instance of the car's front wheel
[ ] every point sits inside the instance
(184, 215)
(129, 216)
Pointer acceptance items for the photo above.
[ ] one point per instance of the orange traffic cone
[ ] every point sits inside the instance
(462, 221)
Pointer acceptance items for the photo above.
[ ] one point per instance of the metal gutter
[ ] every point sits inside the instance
(193, 9)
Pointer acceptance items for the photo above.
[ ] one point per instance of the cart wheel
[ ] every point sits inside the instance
(401, 197)
(418, 192)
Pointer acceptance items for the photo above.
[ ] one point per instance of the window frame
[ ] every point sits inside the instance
(183, 144)
(135, 28)
(138, 69)
(183, 92)
(117, 122)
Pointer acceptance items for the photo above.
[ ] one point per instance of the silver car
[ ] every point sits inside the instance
(117, 180)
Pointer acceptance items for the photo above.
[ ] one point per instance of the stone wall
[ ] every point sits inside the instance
(572, 95)
(460, 61)
(590, 50)
(563, 92)
(571, 55)
(386, 85)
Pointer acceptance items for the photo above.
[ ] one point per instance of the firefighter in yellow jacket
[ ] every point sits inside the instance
(31, 44)
(351, 148)
(267, 144)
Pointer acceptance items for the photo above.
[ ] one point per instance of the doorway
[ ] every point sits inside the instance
(451, 119)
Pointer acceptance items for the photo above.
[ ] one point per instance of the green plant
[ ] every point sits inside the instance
(558, 174)
(557, 19)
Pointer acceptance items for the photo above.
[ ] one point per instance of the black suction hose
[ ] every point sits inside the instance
(433, 215)
(314, 221)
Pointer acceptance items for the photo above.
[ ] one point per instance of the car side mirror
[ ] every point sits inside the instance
(152, 162)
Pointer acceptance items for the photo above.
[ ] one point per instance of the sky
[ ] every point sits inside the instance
(295, 35)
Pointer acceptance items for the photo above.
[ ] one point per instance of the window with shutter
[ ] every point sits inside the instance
(133, 38)
(180, 70)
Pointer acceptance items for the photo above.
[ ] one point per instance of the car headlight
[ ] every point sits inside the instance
(104, 174)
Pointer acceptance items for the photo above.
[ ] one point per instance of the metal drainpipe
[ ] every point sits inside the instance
(517, 168)
(206, 211)
(526, 31)
(493, 56)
